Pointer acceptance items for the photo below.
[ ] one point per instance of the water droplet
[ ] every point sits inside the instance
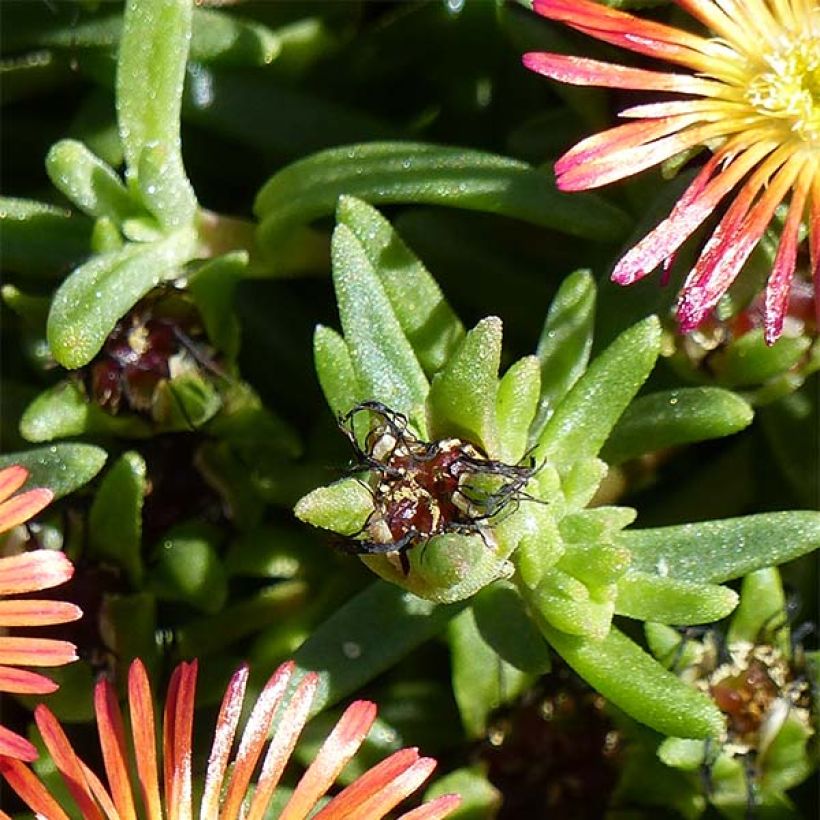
(351, 650)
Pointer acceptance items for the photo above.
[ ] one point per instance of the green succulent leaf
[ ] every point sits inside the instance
(222, 38)
(212, 288)
(482, 681)
(623, 673)
(437, 175)
(342, 507)
(750, 361)
(88, 304)
(515, 407)
(565, 343)
(717, 551)
(63, 411)
(62, 468)
(447, 568)
(502, 619)
(584, 419)
(761, 615)
(428, 322)
(89, 182)
(386, 367)
(24, 223)
(479, 798)
(187, 567)
(153, 51)
(675, 417)
(185, 402)
(334, 369)
(115, 518)
(568, 605)
(463, 395)
(366, 636)
(671, 601)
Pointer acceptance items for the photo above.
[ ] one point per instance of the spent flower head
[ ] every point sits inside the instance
(751, 95)
(24, 573)
(759, 676)
(165, 784)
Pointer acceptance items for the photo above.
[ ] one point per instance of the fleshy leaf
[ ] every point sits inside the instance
(335, 370)
(62, 468)
(386, 367)
(24, 223)
(623, 673)
(342, 507)
(671, 601)
(447, 568)
(750, 361)
(115, 518)
(482, 681)
(463, 395)
(153, 51)
(502, 619)
(366, 636)
(64, 411)
(89, 182)
(761, 616)
(88, 304)
(515, 407)
(586, 416)
(418, 172)
(188, 568)
(565, 343)
(428, 322)
(716, 551)
(212, 287)
(675, 417)
(479, 798)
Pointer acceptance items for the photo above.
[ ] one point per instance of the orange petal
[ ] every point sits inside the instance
(30, 790)
(19, 508)
(112, 742)
(11, 479)
(368, 784)
(143, 730)
(630, 160)
(253, 739)
(37, 613)
(23, 682)
(435, 809)
(394, 792)
(229, 714)
(567, 68)
(342, 743)
(36, 652)
(67, 763)
(177, 731)
(634, 33)
(31, 571)
(288, 729)
(778, 288)
(719, 264)
(696, 204)
(631, 135)
(14, 746)
(814, 242)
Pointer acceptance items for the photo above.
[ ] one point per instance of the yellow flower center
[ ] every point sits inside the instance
(788, 87)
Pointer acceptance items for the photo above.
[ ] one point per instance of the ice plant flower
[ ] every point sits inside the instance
(29, 572)
(751, 94)
(165, 786)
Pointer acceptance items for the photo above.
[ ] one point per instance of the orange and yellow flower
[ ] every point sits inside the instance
(751, 94)
(29, 572)
(165, 786)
